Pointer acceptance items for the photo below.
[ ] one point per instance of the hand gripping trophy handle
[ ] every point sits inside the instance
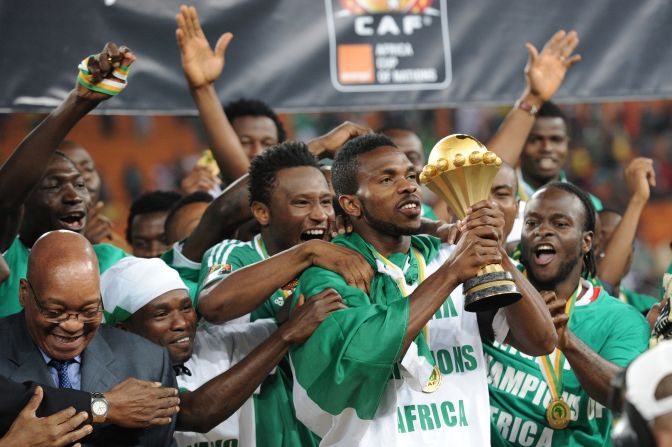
(461, 171)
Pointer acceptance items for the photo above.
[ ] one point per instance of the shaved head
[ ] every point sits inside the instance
(63, 278)
(62, 256)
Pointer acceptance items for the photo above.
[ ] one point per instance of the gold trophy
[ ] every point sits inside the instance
(461, 171)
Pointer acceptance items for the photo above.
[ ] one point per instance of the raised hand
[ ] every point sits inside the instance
(307, 316)
(640, 177)
(98, 227)
(202, 66)
(101, 66)
(348, 263)
(340, 225)
(479, 242)
(59, 429)
(200, 178)
(545, 71)
(138, 404)
(449, 233)
(485, 214)
(328, 144)
(556, 307)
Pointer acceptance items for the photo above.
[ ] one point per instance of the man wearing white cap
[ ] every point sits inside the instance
(646, 417)
(147, 297)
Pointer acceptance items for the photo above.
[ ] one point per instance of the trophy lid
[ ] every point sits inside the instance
(455, 151)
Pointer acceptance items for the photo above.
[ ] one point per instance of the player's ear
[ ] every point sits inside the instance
(351, 205)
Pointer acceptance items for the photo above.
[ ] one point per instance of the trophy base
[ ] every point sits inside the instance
(489, 291)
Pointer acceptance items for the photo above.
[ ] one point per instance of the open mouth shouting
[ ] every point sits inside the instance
(544, 254)
(313, 233)
(73, 221)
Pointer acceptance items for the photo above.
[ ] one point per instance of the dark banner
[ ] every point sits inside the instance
(321, 55)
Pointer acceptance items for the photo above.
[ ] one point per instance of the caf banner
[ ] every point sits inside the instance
(328, 55)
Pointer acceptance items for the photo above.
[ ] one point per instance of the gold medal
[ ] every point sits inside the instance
(434, 381)
(558, 414)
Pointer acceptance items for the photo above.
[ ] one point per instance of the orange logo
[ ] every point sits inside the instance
(386, 6)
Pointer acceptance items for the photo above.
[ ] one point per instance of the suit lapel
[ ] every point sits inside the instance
(98, 366)
(24, 354)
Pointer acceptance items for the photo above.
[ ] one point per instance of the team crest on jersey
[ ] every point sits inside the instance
(220, 269)
(217, 273)
(280, 301)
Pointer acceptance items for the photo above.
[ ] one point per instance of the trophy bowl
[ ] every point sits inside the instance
(460, 170)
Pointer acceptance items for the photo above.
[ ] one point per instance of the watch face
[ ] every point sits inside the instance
(99, 407)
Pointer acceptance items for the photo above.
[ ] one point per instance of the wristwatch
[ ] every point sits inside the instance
(99, 407)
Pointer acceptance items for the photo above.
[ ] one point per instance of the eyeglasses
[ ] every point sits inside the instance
(58, 316)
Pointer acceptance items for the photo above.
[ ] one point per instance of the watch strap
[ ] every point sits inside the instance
(98, 419)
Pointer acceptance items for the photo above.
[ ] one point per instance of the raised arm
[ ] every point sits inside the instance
(25, 166)
(220, 220)
(640, 177)
(530, 326)
(328, 144)
(476, 247)
(240, 292)
(202, 67)
(216, 400)
(544, 74)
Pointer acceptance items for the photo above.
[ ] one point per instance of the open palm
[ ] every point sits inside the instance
(546, 71)
(201, 65)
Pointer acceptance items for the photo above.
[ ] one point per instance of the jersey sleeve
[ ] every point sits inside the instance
(349, 359)
(188, 270)
(628, 336)
(218, 262)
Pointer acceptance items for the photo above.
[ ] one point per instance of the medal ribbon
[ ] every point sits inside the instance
(552, 370)
(399, 275)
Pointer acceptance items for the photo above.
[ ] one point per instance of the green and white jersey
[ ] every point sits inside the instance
(351, 390)
(231, 255)
(17, 260)
(640, 301)
(519, 395)
(217, 348)
(276, 423)
(188, 270)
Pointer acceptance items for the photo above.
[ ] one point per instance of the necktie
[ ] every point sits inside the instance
(62, 370)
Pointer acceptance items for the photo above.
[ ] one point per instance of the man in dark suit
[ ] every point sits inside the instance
(59, 412)
(28, 429)
(58, 338)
